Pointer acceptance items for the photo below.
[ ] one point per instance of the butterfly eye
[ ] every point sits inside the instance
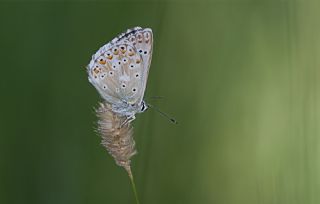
(123, 85)
(102, 60)
(104, 87)
(137, 75)
(109, 55)
(134, 90)
(123, 48)
(111, 73)
(139, 37)
(141, 51)
(115, 51)
(143, 107)
(145, 52)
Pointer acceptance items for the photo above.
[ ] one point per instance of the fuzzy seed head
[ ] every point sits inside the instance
(116, 137)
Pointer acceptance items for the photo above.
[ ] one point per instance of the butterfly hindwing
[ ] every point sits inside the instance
(119, 70)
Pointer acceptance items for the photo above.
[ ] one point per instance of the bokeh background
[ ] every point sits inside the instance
(241, 77)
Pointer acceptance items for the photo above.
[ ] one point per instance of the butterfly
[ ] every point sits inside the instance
(119, 71)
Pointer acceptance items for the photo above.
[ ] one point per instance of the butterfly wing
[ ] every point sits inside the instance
(119, 69)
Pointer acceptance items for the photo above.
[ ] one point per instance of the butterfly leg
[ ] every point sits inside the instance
(129, 119)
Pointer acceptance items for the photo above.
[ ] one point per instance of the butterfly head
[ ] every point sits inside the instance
(139, 108)
(143, 106)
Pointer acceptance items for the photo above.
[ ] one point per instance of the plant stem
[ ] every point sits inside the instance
(134, 190)
(128, 169)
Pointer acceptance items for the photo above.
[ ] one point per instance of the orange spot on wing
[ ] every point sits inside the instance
(102, 61)
(95, 70)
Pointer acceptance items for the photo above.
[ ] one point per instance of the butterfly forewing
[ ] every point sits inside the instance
(119, 70)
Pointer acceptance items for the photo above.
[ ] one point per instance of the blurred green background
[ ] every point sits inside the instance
(241, 77)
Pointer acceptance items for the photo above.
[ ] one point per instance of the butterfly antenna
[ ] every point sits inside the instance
(155, 97)
(163, 114)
